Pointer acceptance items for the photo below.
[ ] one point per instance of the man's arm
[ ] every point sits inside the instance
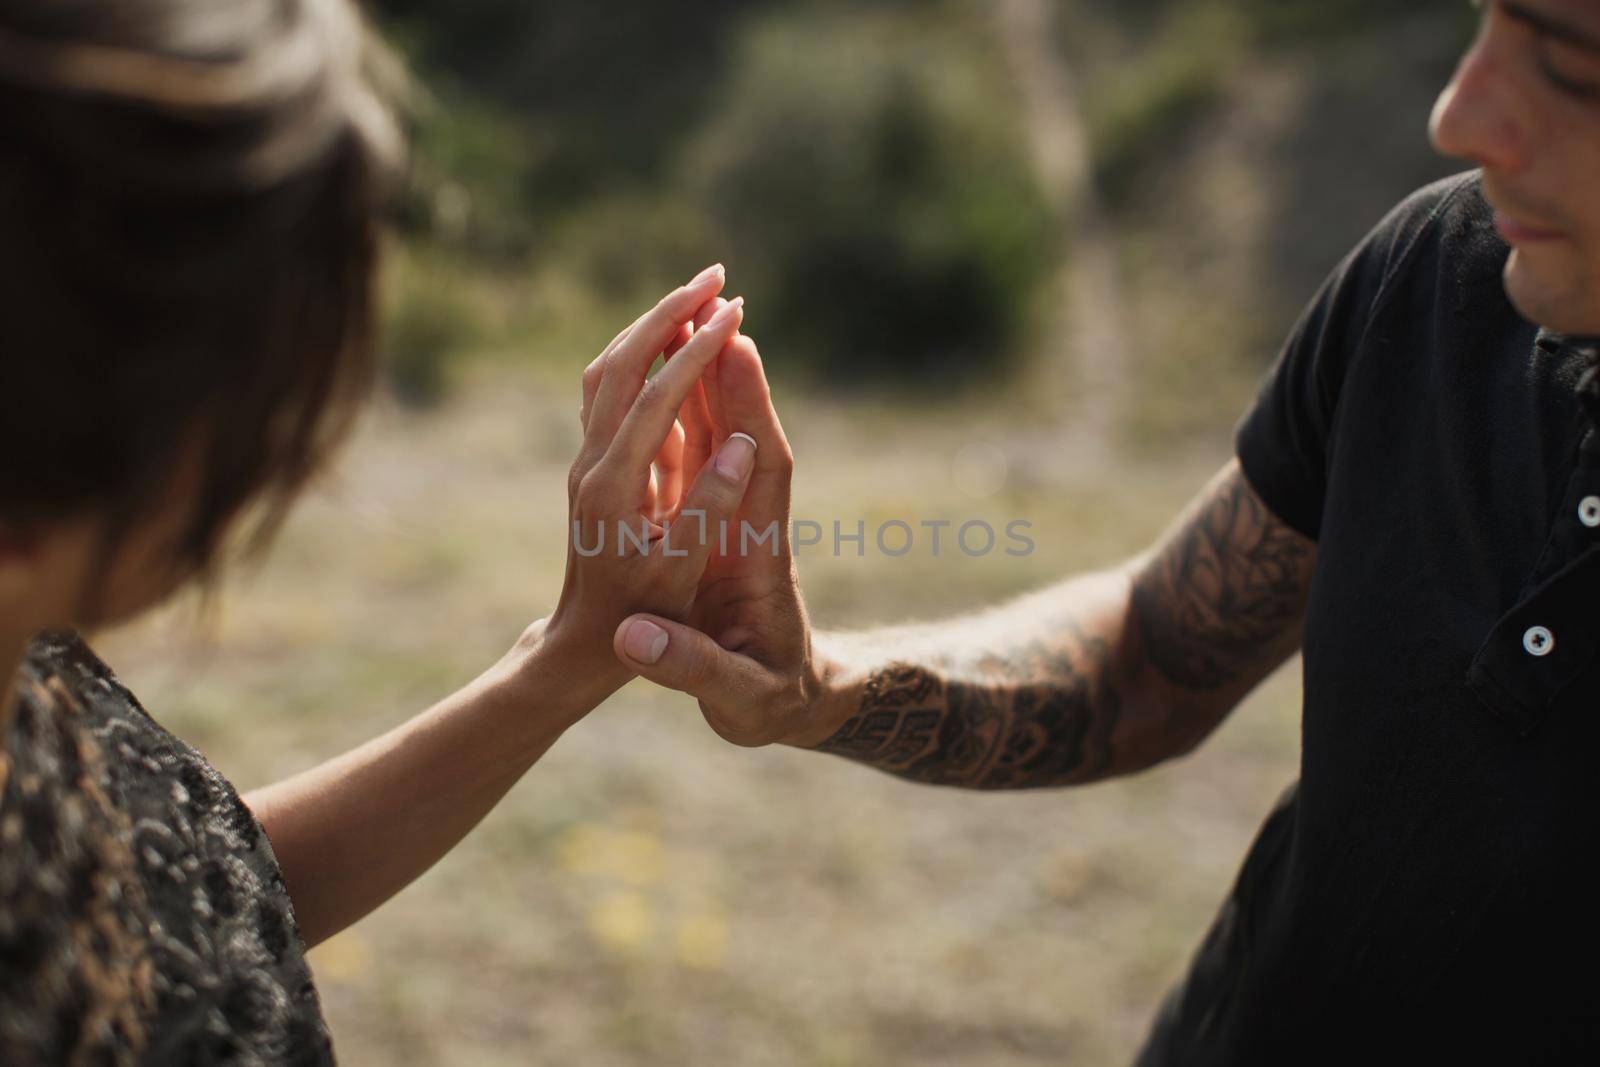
(1101, 675)
(1098, 676)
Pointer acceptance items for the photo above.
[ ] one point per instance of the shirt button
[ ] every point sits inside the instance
(1589, 511)
(1538, 641)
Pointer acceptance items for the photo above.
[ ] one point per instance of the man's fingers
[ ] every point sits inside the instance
(648, 505)
(713, 500)
(692, 414)
(629, 361)
(669, 472)
(679, 339)
(682, 658)
(696, 423)
(747, 405)
(711, 381)
(656, 408)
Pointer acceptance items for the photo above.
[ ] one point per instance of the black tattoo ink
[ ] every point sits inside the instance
(1034, 718)
(1223, 592)
(1215, 603)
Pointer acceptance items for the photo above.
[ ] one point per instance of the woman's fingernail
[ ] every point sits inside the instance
(736, 456)
(727, 312)
(716, 270)
(644, 642)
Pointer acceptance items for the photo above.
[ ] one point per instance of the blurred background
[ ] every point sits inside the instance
(1004, 259)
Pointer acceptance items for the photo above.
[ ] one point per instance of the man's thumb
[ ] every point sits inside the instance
(682, 658)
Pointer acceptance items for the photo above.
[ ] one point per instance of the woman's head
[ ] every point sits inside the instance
(189, 207)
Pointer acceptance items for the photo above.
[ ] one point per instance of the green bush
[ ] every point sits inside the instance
(1269, 22)
(1180, 56)
(425, 328)
(874, 196)
(471, 165)
(1173, 81)
(1281, 21)
(610, 88)
(628, 248)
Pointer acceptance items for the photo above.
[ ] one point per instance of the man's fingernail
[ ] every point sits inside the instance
(716, 270)
(644, 642)
(735, 456)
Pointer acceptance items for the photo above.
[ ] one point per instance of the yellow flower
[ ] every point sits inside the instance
(623, 921)
(631, 856)
(637, 858)
(702, 942)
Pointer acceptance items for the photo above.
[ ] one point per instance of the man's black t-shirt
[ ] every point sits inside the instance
(1426, 883)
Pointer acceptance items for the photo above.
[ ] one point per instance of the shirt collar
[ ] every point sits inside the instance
(1588, 387)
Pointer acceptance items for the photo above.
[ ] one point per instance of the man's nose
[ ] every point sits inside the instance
(1480, 114)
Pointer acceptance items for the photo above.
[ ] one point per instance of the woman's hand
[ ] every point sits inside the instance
(745, 650)
(636, 541)
(354, 830)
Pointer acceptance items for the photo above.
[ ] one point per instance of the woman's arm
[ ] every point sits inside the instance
(352, 832)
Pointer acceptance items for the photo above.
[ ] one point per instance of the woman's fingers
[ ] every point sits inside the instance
(647, 423)
(591, 386)
(624, 369)
(596, 368)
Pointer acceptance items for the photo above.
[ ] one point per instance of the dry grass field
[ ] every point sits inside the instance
(652, 895)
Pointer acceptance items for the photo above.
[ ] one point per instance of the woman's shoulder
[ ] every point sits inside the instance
(118, 838)
(152, 773)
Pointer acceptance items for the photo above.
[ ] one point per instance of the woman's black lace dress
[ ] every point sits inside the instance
(143, 917)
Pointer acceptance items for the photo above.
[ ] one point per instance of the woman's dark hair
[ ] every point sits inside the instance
(190, 202)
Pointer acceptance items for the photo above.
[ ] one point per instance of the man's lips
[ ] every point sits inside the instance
(1520, 233)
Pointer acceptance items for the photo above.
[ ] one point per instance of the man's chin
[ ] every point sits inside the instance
(1559, 307)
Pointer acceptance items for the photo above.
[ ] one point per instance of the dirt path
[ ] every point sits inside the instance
(1084, 369)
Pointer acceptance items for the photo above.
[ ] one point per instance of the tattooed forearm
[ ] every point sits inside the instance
(1225, 592)
(1102, 675)
(1040, 715)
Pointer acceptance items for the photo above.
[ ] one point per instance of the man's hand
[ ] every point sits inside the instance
(745, 650)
